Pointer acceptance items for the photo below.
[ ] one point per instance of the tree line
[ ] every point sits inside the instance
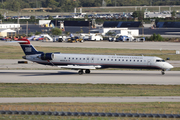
(69, 5)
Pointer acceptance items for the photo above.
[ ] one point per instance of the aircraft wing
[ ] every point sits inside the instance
(79, 67)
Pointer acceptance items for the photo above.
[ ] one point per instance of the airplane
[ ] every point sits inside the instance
(86, 62)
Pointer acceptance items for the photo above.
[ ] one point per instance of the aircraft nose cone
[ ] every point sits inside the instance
(171, 66)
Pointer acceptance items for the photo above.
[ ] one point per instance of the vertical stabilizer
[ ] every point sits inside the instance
(27, 47)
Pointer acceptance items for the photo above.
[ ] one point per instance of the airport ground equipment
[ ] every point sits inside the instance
(75, 39)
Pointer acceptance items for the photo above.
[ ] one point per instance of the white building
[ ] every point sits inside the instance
(116, 31)
(157, 14)
(43, 22)
(9, 26)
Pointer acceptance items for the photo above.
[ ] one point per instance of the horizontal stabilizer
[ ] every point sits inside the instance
(17, 42)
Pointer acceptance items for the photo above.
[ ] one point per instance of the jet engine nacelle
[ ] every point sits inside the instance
(47, 56)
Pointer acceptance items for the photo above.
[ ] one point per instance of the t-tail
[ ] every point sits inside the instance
(27, 47)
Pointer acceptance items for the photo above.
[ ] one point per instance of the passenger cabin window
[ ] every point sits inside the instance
(160, 60)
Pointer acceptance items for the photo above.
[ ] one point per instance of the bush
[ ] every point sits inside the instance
(56, 31)
(155, 37)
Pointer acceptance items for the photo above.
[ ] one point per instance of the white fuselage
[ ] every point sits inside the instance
(103, 61)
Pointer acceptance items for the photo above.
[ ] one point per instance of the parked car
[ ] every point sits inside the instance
(95, 37)
(142, 39)
(112, 39)
(124, 38)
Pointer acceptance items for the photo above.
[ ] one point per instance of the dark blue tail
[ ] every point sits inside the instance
(27, 47)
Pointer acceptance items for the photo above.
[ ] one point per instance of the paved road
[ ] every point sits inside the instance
(106, 44)
(90, 99)
(96, 77)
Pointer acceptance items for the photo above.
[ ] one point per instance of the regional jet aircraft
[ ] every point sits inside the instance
(87, 62)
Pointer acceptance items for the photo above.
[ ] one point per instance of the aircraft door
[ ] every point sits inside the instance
(149, 62)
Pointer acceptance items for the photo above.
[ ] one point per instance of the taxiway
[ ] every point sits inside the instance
(91, 99)
(96, 77)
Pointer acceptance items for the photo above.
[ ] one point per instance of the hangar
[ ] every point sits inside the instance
(7, 32)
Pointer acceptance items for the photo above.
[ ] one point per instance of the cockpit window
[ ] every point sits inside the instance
(160, 60)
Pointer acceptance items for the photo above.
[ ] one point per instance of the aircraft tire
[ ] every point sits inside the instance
(87, 71)
(162, 72)
(80, 72)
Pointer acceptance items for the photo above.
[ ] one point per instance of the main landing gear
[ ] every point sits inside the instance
(162, 72)
(87, 71)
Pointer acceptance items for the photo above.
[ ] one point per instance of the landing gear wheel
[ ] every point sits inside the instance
(80, 72)
(87, 71)
(162, 72)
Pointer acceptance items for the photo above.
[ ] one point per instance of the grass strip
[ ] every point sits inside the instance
(86, 90)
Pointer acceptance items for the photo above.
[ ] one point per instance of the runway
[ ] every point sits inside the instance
(91, 99)
(96, 77)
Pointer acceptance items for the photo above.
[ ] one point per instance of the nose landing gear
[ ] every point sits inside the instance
(162, 72)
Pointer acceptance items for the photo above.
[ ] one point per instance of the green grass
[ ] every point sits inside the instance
(15, 52)
(86, 90)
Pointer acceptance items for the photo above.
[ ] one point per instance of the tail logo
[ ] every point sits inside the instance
(28, 49)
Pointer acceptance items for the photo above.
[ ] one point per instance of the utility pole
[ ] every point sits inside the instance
(27, 29)
(3, 4)
(36, 4)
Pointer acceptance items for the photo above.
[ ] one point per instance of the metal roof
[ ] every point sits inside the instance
(6, 30)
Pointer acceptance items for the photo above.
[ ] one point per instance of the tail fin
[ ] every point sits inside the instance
(27, 47)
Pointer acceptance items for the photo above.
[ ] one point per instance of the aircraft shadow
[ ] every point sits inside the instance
(91, 74)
